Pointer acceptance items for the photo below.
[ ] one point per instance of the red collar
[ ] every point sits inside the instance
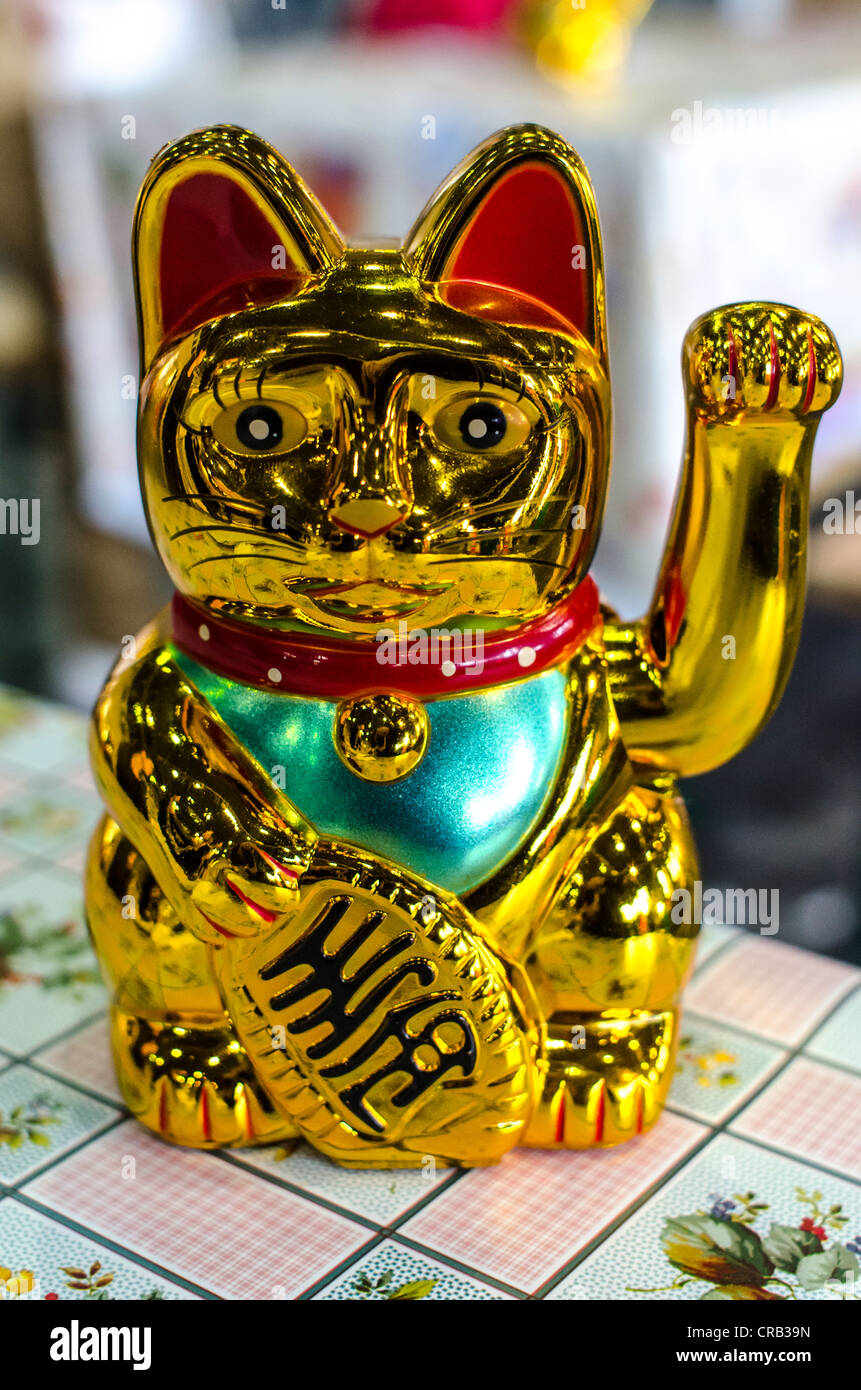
(333, 668)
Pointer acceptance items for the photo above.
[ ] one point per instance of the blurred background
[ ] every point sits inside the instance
(724, 142)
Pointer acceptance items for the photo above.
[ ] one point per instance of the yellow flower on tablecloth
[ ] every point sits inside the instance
(13, 1285)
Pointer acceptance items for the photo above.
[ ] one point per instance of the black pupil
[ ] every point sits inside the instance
(482, 425)
(259, 427)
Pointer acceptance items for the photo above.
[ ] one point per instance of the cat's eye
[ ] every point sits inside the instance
(483, 424)
(261, 427)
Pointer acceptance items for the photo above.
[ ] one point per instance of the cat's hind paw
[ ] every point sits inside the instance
(606, 1079)
(193, 1085)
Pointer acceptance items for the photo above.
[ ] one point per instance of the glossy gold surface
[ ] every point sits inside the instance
(381, 737)
(452, 533)
(354, 451)
(738, 542)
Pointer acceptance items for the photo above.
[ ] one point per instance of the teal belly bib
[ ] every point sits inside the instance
(491, 762)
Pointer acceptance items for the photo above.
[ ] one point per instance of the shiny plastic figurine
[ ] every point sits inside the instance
(393, 833)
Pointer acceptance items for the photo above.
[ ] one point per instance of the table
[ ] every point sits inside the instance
(759, 1151)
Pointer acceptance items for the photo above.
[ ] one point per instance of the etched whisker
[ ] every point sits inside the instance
(505, 559)
(453, 519)
(465, 516)
(247, 555)
(474, 537)
(197, 497)
(234, 530)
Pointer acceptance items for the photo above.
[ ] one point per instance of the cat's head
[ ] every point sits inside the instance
(340, 437)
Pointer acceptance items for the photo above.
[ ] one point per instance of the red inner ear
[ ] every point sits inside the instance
(522, 237)
(216, 254)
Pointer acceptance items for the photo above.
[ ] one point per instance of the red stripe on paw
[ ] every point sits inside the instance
(249, 902)
(282, 868)
(205, 1125)
(599, 1116)
(560, 1118)
(773, 370)
(811, 373)
(732, 356)
(216, 927)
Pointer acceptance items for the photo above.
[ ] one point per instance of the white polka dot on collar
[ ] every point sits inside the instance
(203, 632)
(274, 674)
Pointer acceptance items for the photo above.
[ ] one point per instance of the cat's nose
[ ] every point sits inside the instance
(367, 516)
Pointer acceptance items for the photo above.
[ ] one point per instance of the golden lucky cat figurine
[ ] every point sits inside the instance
(393, 831)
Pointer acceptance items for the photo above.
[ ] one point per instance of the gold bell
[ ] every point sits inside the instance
(381, 737)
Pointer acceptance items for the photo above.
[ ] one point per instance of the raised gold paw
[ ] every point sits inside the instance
(606, 1078)
(192, 1086)
(761, 357)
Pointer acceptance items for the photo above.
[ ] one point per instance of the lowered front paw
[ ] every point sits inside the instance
(762, 358)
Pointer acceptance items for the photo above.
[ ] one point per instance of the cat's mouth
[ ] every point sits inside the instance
(370, 600)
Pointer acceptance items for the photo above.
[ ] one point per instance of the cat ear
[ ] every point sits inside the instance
(518, 215)
(222, 223)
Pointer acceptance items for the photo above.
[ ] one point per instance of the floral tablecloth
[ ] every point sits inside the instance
(749, 1186)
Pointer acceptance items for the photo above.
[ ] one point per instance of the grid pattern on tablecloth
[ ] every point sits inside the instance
(71, 1265)
(775, 990)
(521, 1222)
(42, 1118)
(718, 1068)
(379, 1196)
(276, 1225)
(392, 1270)
(839, 1040)
(713, 938)
(636, 1262)
(85, 1057)
(812, 1110)
(199, 1216)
